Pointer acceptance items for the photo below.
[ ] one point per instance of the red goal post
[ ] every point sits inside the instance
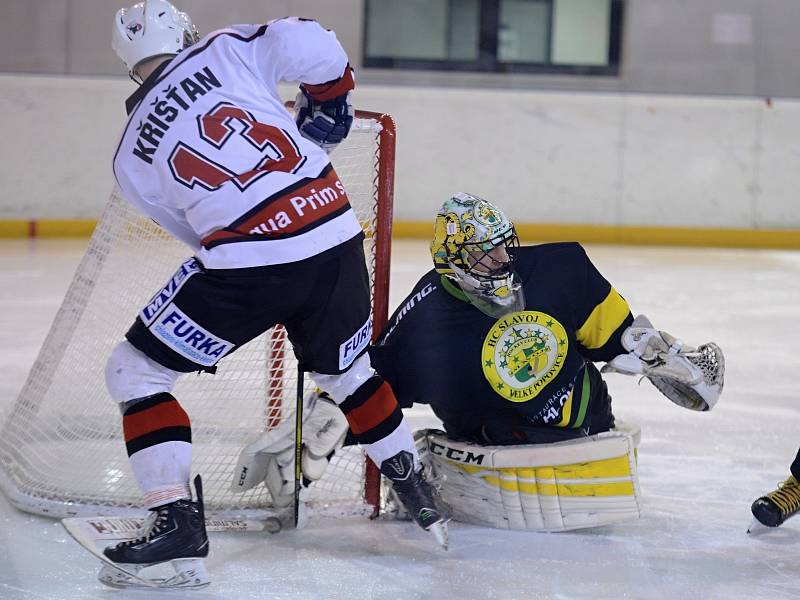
(384, 201)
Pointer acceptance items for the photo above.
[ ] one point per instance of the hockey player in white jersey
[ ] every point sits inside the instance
(210, 154)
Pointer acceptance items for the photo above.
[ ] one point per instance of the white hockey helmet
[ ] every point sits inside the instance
(151, 28)
(470, 246)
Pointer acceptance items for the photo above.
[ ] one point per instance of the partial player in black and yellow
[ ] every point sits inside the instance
(501, 340)
(782, 503)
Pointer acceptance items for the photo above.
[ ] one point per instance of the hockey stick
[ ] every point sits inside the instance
(298, 447)
(114, 529)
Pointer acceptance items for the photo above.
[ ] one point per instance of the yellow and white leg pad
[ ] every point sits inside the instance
(575, 484)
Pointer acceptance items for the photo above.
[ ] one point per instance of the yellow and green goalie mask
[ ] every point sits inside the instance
(471, 243)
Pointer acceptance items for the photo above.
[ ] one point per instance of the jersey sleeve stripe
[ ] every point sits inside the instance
(603, 322)
(332, 89)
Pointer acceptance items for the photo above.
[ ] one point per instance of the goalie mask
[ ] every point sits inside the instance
(148, 29)
(470, 246)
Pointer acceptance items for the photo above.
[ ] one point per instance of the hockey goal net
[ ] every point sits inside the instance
(61, 447)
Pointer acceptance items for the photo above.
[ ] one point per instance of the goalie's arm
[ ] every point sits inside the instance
(602, 313)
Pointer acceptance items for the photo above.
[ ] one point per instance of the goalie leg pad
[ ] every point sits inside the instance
(575, 484)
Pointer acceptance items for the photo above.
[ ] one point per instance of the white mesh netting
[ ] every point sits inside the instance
(61, 446)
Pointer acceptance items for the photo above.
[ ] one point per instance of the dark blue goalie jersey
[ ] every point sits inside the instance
(529, 368)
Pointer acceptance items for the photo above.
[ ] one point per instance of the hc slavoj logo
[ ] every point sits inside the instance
(353, 347)
(155, 305)
(522, 353)
(188, 339)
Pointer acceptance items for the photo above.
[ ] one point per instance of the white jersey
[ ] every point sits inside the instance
(211, 154)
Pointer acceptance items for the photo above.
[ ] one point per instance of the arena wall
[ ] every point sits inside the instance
(624, 167)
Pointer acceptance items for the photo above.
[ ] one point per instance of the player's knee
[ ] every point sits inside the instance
(131, 375)
(341, 386)
(369, 404)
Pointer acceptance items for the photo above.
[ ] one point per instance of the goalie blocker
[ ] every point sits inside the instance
(567, 485)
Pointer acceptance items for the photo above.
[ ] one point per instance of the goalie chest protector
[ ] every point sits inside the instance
(526, 368)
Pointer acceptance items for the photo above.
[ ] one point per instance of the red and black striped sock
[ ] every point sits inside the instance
(155, 420)
(372, 411)
(158, 436)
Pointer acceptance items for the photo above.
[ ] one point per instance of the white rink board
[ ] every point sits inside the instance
(698, 472)
(688, 159)
(582, 158)
(780, 155)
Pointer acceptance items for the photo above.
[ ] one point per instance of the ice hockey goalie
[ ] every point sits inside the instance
(501, 341)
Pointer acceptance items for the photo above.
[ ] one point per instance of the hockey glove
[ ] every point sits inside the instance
(325, 123)
(270, 458)
(691, 377)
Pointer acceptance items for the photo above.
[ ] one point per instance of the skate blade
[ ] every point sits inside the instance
(120, 579)
(190, 573)
(440, 533)
(757, 527)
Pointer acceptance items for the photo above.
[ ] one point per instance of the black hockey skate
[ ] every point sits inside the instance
(175, 533)
(778, 505)
(416, 494)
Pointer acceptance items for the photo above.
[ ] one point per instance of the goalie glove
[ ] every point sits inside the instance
(326, 123)
(691, 377)
(270, 458)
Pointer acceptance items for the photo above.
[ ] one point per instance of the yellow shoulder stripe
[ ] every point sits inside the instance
(604, 321)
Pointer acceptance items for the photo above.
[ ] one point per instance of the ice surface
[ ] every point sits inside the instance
(698, 472)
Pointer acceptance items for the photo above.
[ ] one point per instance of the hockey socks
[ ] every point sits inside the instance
(377, 422)
(158, 437)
